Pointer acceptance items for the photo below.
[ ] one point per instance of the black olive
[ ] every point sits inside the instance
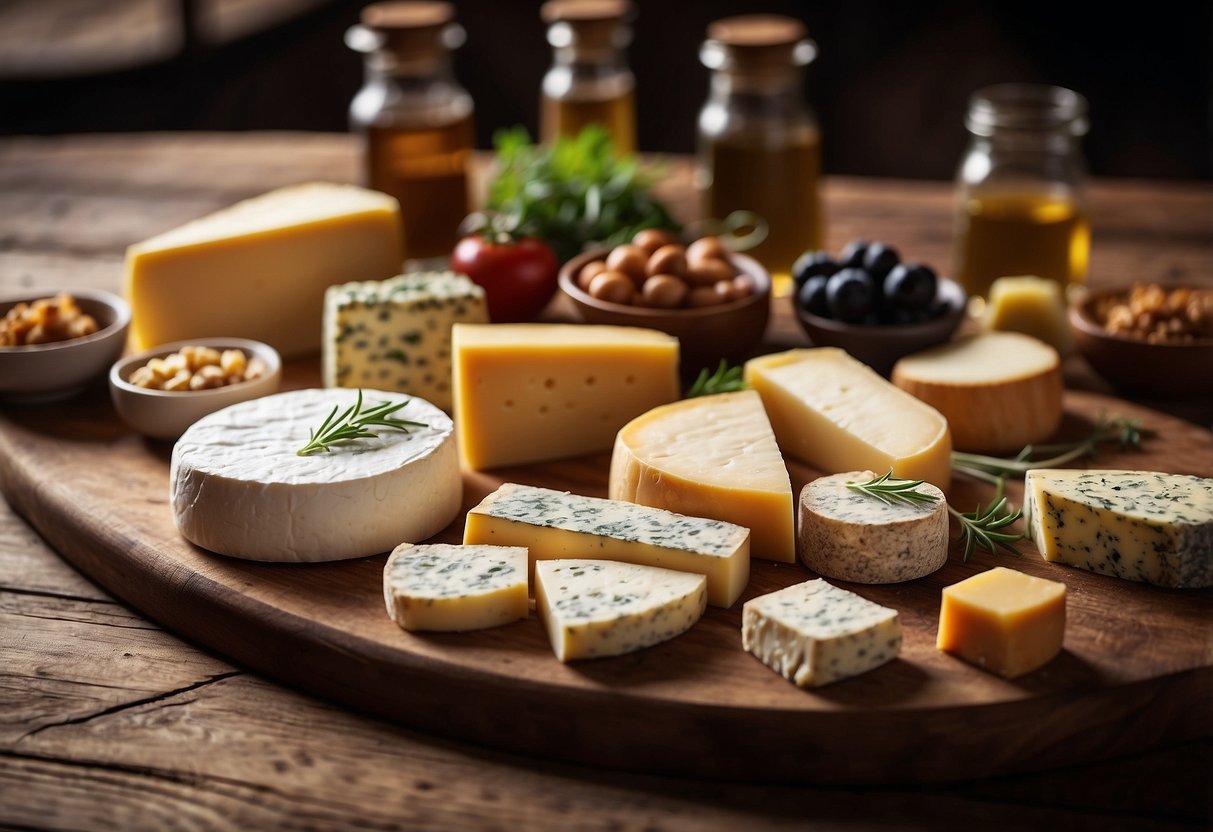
(852, 254)
(911, 286)
(812, 296)
(812, 264)
(849, 293)
(879, 260)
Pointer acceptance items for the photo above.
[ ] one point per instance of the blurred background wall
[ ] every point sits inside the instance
(889, 86)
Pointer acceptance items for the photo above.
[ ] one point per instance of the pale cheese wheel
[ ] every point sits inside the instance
(999, 391)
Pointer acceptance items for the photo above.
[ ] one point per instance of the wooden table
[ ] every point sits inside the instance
(111, 722)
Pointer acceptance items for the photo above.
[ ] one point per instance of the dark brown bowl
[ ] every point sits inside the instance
(1132, 365)
(880, 346)
(706, 335)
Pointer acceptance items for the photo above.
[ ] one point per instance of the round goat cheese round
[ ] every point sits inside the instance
(238, 487)
(852, 536)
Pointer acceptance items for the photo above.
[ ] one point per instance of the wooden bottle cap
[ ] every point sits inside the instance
(410, 27)
(760, 42)
(592, 24)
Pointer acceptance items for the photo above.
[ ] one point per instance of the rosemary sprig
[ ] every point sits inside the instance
(726, 379)
(891, 491)
(354, 423)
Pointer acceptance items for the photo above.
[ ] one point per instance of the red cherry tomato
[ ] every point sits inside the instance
(518, 276)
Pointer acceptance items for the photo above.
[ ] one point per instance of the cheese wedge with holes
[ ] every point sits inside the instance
(445, 587)
(837, 414)
(556, 524)
(260, 268)
(713, 456)
(531, 392)
(597, 608)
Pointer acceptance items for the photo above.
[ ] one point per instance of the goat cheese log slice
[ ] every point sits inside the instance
(445, 587)
(851, 536)
(237, 486)
(1137, 525)
(596, 608)
(556, 524)
(713, 456)
(815, 633)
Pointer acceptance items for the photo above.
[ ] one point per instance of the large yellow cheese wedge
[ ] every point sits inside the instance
(531, 392)
(715, 457)
(259, 269)
(836, 414)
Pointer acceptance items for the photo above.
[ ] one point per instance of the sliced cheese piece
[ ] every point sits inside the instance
(556, 524)
(1003, 621)
(238, 487)
(815, 633)
(1033, 306)
(396, 334)
(596, 608)
(851, 536)
(836, 414)
(531, 392)
(259, 269)
(446, 587)
(1137, 525)
(713, 456)
(999, 390)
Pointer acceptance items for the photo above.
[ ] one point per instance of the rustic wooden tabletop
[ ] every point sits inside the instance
(111, 722)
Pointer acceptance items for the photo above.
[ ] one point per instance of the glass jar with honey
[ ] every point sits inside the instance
(589, 81)
(759, 144)
(415, 118)
(1021, 189)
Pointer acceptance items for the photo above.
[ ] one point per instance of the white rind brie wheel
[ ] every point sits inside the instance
(237, 486)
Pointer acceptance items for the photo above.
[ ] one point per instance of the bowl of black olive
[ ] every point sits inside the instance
(868, 302)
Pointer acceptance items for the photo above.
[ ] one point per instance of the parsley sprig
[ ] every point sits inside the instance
(726, 379)
(355, 423)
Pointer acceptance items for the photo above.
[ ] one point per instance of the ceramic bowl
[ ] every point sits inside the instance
(45, 372)
(1132, 365)
(164, 414)
(706, 335)
(880, 346)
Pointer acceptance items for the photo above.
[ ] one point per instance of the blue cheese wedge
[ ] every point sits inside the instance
(1138, 525)
(447, 587)
(814, 633)
(556, 524)
(395, 334)
(852, 536)
(596, 608)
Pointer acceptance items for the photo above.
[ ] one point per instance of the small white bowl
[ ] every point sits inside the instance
(46, 372)
(165, 414)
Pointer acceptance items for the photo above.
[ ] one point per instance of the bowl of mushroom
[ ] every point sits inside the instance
(716, 302)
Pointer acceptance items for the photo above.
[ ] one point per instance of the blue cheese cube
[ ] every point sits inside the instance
(395, 334)
(445, 587)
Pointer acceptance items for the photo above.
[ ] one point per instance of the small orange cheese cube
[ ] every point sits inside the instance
(1003, 621)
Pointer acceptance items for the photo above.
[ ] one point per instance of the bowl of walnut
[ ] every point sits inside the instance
(53, 344)
(714, 301)
(164, 390)
(1153, 339)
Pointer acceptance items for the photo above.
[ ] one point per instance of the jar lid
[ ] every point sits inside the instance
(589, 24)
(756, 42)
(407, 27)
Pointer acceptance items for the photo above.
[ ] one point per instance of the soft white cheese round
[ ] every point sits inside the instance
(238, 487)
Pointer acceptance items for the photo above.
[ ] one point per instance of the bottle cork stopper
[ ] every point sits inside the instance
(409, 26)
(591, 24)
(760, 43)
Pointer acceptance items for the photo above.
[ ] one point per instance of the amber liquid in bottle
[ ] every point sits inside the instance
(780, 184)
(617, 115)
(1008, 233)
(425, 168)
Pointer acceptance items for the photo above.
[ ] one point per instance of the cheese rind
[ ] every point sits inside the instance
(444, 587)
(852, 536)
(814, 633)
(999, 391)
(396, 334)
(713, 456)
(556, 524)
(531, 392)
(1003, 621)
(260, 268)
(597, 608)
(238, 487)
(836, 414)
(1138, 525)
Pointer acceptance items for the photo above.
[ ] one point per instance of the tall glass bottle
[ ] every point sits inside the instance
(415, 118)
(589, 81)
(1021, 204)
(759, 144)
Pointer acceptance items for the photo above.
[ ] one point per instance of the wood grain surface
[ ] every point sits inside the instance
(137, 729)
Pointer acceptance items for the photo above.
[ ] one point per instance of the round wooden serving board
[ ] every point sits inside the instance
(1137, 669)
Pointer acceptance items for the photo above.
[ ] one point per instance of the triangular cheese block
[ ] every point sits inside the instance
(713, 456)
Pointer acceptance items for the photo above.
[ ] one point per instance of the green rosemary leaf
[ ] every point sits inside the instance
(892, 491)
(355, 423)
(982, 526)
(726, 379)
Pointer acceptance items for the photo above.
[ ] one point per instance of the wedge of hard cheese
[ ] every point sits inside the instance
(446, 587)
(713, 456)
(836, 414)
(259, 269)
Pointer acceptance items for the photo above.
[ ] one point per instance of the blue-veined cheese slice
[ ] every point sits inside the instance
(448, 587)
